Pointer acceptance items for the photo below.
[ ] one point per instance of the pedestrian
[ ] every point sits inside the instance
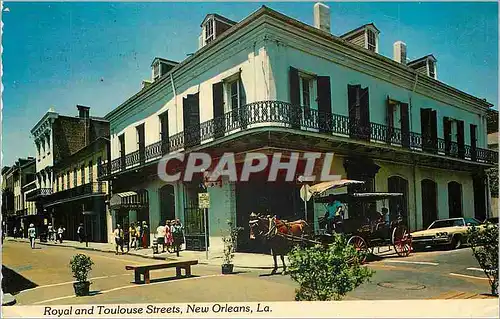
(15, 232)
(50, 232)
(138, 235)
(169, 240)
(144, 238)
(133, 236)
(160, 236)
(178, 235)
(118, 238)
(81, 233)
(32, 235)
(60, 232)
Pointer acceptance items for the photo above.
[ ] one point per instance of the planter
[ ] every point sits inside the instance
(227, 269)
(81, 288)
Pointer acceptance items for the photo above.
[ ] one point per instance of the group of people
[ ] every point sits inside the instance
(170, 235)
(136, 237)
(55, 234)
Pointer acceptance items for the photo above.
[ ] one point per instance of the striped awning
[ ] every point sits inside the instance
(128, 199)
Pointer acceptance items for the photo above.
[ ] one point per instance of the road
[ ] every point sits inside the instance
(43, 277)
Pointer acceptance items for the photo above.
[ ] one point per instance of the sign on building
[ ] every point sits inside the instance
(203, 200)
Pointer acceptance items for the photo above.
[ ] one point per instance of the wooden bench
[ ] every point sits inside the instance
(145, 269)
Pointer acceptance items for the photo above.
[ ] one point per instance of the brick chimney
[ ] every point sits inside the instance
(84, 115)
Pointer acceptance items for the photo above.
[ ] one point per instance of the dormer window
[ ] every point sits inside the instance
(209, 31)
(365, 36)
(372, 42)
(161, 67)
(156, 70)
(431, 66)
(425, 65)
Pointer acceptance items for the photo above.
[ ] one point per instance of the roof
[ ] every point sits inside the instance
(218, 17)
(164, 61)
(352, 32)
(428, 56)
(307, 28)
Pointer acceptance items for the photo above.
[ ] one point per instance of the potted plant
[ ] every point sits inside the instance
(81, 265)
(230, 241)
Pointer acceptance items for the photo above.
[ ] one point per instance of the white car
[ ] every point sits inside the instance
(451, 232)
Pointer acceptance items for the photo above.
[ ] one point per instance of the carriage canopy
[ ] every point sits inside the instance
(358, 197)
(320, 188)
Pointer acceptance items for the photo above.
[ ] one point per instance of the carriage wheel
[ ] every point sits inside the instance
(360, 245)
(401, 240)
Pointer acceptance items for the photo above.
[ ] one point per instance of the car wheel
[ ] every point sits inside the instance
(456, 242)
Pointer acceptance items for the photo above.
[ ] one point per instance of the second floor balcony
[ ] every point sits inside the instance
(285, 115)
(81, 191)
(38, 193)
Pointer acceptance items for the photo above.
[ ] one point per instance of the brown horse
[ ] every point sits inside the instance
(274, 231)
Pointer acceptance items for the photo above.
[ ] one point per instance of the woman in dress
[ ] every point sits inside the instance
(169, 240)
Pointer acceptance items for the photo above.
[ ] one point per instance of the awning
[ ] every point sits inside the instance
(320, 188)
(358, 197)
(129, 200)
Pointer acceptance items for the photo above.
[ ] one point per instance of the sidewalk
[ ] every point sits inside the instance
(241, 260)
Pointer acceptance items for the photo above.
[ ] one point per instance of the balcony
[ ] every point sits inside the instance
(38, 193)
(285, 115)
(85, 190)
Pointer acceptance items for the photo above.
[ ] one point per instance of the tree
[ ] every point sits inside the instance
(327, 272)
(484, 243)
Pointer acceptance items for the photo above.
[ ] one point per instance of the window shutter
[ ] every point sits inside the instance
(324, 103)
(460, 139)
(405, 125)
(389, 119)
(352, 107)
(473, 141)
(365, 113)
(294, 97)
(218, 108)
(243, 112)
(447, 135)
(434, 130)
(165, 138)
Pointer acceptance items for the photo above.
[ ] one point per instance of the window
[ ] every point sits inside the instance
(67, 179)
(75, 177)
(82, 173)
(99, 163)
(305, 92)
(234, 93)
(156, 70)
(431, 66)
(209, 31)
(472, 222)
(372, 42)
(91, 172)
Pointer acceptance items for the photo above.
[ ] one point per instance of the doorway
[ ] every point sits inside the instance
(455, 199)
(429, 202)
(167, 203)
(396, 184)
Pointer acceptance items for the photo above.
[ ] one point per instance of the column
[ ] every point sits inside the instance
(154, 211)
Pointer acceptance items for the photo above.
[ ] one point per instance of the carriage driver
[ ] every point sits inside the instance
(335, 211)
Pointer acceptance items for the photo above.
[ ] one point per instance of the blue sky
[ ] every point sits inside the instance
(97, 54)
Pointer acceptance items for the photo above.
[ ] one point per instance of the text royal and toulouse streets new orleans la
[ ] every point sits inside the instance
(151, 309)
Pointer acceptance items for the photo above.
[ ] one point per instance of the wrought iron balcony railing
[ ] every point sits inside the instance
(283, 114)
(81, 190)
(39, 192)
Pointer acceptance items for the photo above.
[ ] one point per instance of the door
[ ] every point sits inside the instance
(396, 184)
(429, 202)
(167, 203)
(455, 199)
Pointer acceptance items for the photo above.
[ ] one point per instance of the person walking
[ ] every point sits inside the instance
(133, 236)
(169, 240)
(144, 239)
(160, 236)
(81, 233)
(178, 235)
(32, 235)
(50, 232)
(60, 232)
(138, 235)
(118, 233)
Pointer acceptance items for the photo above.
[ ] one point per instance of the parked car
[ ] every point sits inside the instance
(491, 220)
(451, 232)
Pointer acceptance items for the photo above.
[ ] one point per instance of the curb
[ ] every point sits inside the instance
(138, 255)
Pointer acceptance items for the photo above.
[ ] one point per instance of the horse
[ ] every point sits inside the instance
(273, 230)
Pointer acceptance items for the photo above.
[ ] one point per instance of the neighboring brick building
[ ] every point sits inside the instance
(60, 142)
(15, 210)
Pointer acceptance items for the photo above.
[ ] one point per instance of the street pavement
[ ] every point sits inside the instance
(43, 276)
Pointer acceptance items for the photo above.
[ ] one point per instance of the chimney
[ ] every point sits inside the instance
(322, 17)
(400, 52)
(83, 111)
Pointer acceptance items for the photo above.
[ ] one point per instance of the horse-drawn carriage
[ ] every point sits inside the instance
(364, 232)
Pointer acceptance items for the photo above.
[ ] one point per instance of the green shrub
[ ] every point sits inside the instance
(484, 243)
(326, 273)
(230, 240)
(81, 265)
